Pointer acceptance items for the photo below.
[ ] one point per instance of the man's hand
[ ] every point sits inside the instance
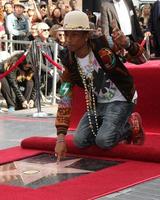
(120, 39)
(60, 148)
(25, 104)
(31, 103)
(147, 34)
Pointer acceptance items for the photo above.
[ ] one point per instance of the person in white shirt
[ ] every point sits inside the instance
(123, 13)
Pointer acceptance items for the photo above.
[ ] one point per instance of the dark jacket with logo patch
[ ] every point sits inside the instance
(110, 63)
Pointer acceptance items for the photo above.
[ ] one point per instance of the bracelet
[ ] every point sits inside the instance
(60, 141)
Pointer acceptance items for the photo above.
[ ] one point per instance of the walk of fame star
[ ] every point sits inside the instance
(43, 169)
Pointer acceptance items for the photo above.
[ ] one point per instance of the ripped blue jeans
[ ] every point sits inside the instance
(113, 125)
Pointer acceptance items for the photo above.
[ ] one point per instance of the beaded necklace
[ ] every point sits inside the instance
(89, 94)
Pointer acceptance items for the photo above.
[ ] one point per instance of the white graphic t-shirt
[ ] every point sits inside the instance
(105, 90)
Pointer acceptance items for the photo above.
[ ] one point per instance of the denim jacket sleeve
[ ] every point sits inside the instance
(15, 28)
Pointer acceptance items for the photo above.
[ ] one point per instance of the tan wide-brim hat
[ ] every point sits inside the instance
(76, 21)
(19, 4)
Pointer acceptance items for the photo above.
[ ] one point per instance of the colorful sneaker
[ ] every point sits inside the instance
(138, 135)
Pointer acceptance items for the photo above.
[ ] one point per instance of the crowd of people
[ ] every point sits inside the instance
(33, 21)
(30, 21)
(148, 15)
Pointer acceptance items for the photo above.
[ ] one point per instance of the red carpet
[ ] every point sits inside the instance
(146, 78)
(16, 153)
(149, 152)
(85, 187)
(141, 163)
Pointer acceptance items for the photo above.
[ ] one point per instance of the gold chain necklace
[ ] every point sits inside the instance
(89, 94)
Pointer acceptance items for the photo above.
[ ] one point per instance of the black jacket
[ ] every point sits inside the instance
(13, 82)
(118, 73)
(110, 63)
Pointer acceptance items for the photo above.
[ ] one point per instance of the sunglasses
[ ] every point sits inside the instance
(43, 7)
(60, 35)
(45, 30)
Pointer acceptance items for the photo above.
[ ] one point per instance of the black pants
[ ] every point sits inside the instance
(11, 97)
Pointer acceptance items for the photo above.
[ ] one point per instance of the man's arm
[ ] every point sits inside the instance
(135, 53)
(63, 115)
(64, 105)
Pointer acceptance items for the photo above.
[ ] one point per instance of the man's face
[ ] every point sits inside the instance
(44, 33)
(73, 4)
(75, 40)
(18, 10)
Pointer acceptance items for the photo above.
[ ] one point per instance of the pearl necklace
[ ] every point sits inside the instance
(89, 94)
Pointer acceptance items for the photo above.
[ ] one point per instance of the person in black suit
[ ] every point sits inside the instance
(154, 27)
(123, 13)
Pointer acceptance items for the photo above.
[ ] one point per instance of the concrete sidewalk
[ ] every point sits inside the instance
(20, 124)
(46, 107)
